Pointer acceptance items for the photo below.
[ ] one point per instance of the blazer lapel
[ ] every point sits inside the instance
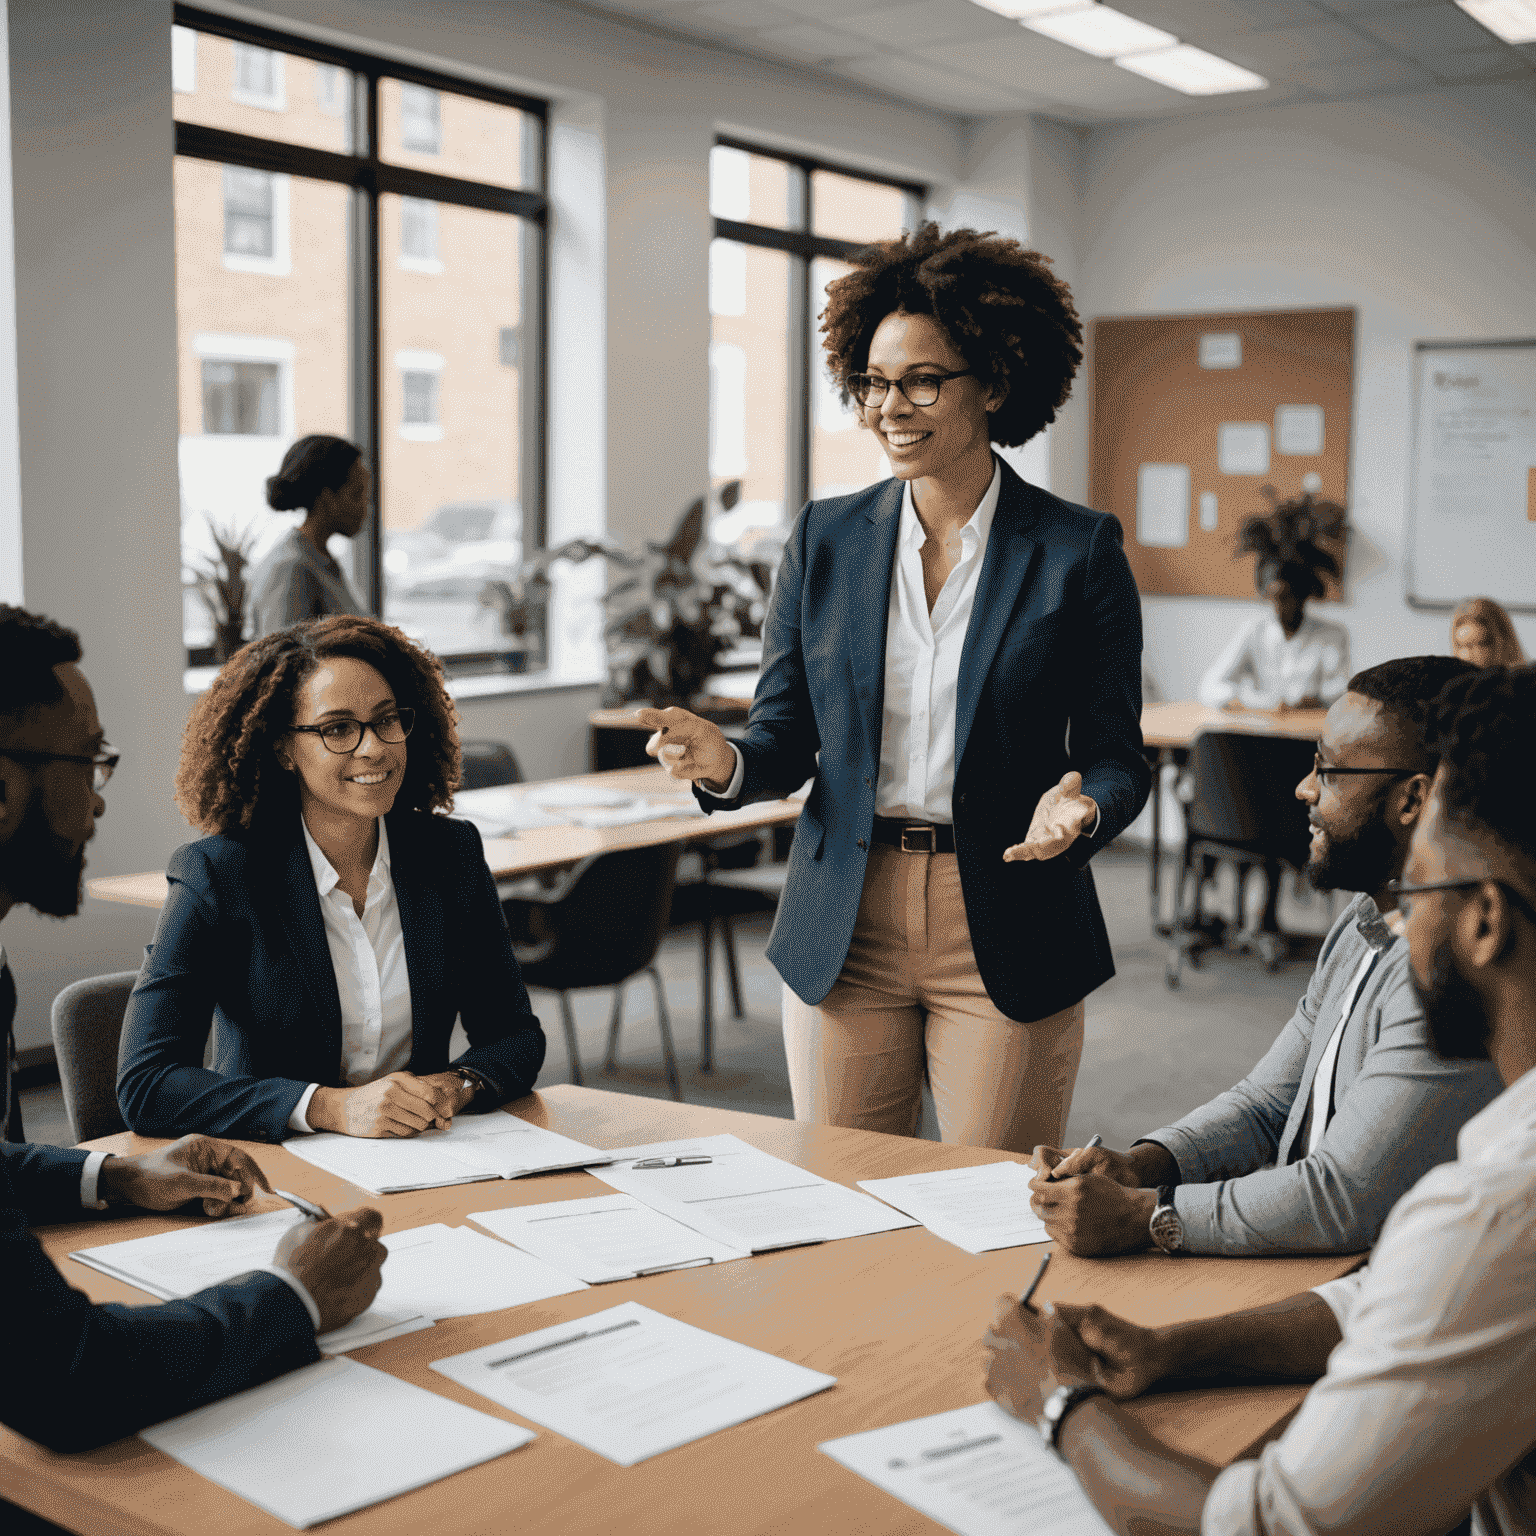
(298, 902)
(872, 555)
(423, 925)
(1010, 553)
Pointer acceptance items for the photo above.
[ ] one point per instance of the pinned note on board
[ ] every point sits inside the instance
(1298, 429)
(1208, 511)
(1221, 349)
(1242, 448)
(1162, 505)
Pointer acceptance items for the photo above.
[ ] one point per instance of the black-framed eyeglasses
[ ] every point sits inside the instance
(1404, 890)
(919, 388)
(1325, 771)
(102, 763)
(344, 736)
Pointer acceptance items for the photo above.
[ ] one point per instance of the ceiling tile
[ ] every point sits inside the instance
(807, 43)
(726, 16)
(933, 21)
(1282, 51)
(1426, 29)
(1359, 75)
(941, 88)
(834, 10)
(1198, 21)
(1026, 61)
(649, 10)
(1478, 64)
(1367, 7)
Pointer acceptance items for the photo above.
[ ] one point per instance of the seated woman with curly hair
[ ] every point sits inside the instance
(930, 643)
(331, 927)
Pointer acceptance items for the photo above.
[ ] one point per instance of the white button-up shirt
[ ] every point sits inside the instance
(1427, 1408)
(1262, 669)
(368, 956)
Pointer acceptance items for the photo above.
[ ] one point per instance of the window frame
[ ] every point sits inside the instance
(803, 248)
(370, 177)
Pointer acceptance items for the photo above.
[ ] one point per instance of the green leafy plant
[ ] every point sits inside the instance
(1301, 539)
(221, 584)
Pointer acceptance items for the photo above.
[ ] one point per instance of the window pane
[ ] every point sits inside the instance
(224, 84)
(451, 496)
(754, 189)
(844, 456)
(846, 208)
(262, 359)
(456, 135)
(748, 388)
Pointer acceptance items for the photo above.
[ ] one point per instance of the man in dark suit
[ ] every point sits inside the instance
(78, 1375)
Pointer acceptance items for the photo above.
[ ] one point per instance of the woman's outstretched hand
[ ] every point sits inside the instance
(689, 748)
(1062, 816)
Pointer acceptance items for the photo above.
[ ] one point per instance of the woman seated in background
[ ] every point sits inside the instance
(326, 479)
(1484, 634)
(331, 926)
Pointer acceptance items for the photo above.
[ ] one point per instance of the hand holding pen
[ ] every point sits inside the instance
(1061, 1171)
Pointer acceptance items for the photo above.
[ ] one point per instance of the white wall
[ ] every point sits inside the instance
(1418, 210)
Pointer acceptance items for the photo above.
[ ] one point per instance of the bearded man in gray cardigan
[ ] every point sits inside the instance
(1351, 1105)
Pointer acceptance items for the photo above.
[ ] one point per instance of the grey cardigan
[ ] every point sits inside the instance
(297, 581)
(1397, 1109)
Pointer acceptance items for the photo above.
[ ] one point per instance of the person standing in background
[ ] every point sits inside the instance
(326, 479)
(1484, 634)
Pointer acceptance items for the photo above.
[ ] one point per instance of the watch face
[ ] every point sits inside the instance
(1167, 1230)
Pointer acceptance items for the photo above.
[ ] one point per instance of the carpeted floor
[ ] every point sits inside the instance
(1151, 1053)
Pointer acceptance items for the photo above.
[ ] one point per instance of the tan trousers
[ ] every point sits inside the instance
(909, 1003)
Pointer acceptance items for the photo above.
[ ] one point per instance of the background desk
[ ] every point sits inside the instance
(897, 1318)
(540, 848)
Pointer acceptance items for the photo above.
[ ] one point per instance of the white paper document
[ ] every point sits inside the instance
(1221, 349)
(975, 1470)
(1242, 448)
(174, 1264)
(331, 1438)
(1299, 429)
(612, 1237)
(565, 794)
(439, 1271)
(630, 1383)
(636, 811)
(978, 1209)
(1162, 506)
(474, 1147)
(746, 1198)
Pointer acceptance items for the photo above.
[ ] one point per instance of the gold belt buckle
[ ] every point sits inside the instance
(929, 832)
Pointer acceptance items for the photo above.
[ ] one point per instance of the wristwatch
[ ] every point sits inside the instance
(1166, 1228)
(1061, 1402)
(473, 1078)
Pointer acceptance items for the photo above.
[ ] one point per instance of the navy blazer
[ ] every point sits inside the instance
(78, 1375)
(1053, 646)
(241, 944)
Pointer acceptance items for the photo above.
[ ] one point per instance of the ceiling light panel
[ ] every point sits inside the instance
(1105, 33)
(1193, 71)
(1018, 10)
(1513, 20)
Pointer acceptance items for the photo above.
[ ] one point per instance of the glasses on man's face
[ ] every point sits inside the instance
(344, 736)
(919, 388)
(1324, 772)
(1405, 890)
(101, 763)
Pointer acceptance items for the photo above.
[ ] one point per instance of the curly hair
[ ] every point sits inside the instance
(1508, 652)
(229, 775)
(31, 646)
(1487, 737)
(1007, 314)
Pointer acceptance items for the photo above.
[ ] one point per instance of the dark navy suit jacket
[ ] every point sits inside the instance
(241, 944)
(1054, 644)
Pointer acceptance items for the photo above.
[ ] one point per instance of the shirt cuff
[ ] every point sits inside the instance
(732, 789)
(1097, 816)
(1342, 1295)
(298, 1288)
(90, 1174)
(298, 1120)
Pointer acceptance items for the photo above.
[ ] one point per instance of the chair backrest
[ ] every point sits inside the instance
(1245, 792)
(485, 764)
(611, 923)
(87, 1022)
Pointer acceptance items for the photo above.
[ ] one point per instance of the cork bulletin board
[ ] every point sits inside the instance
(1193, 414)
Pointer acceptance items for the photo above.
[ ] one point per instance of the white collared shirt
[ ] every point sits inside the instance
(1426, 1409)
(1262, 669)
(368, 956)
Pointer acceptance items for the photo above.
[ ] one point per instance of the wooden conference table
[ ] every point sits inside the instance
(896, 1317)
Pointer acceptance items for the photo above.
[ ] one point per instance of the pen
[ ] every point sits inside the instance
(1093, 1141)
(310, 1209)
(1033, 1284)
(671, 1162)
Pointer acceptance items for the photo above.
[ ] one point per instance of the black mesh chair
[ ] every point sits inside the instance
(1240, 806)
(487, 764)
(87, 1023)
(600, 926)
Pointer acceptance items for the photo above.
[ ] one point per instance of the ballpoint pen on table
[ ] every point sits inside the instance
(671, 1162)
(1093, 1141)
(310, 1209)
(1033, 1284)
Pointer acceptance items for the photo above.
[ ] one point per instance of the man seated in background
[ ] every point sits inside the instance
(1425, 1405)
(1350, 1106)
(77, 1375)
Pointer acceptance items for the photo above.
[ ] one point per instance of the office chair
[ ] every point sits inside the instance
(487, 764)
(1241, 805)
(600, 926)
(763, 880)
(87, 1024)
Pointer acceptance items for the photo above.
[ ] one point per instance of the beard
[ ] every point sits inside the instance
(40, 868)
(1457, 1017)
(1360, 862)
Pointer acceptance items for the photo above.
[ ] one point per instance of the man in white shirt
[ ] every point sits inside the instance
(1425, 1407)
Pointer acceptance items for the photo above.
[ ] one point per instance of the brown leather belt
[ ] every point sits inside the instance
(914, 836)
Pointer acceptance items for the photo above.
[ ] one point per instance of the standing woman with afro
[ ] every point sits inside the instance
(326, 479)
(952, 656)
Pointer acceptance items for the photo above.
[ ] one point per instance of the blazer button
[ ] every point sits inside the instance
(861, 842)
(866, 783)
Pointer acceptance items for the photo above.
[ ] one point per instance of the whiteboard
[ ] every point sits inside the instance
(1472, 510)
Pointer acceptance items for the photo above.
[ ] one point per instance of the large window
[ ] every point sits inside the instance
(784, 228)
(360, 251)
